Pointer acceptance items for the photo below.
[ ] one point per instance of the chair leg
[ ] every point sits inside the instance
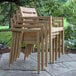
(46, 48)
(38, 51)
(29, 52)
(59, 48)
(62, 42)
(16, 51)
(11, 51)
(38, 58)
(53, 49)
(42, 57)
(50, 49)
(32, 48)
(25, 53)
(56, 48)
(29, 49)
(18, 45)
(20, 42)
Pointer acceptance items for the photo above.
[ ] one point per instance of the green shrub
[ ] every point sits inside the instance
(70, 37)
(5, 37)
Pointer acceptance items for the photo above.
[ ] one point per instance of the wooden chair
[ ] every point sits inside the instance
(15, 42)
(57, 27)
(46, 20)
(32, 32)
(27, 27)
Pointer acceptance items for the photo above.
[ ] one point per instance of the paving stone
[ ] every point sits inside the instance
(34, 56)
(56, 69)
(6, 56)
(70, 65)
(64, 66)
(22, 73)
(64, 58)
(69, 73)
(28, 64)
(73, 56)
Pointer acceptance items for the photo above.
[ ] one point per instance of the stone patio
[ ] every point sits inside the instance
(64, 66)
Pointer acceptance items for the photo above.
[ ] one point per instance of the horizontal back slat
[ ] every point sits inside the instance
(31, 22)
(58, 21)
(28, 12)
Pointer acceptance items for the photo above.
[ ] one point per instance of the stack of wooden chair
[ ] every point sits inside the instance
(29, 28)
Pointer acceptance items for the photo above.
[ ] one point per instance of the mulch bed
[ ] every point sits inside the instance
(5, 50)
(73, 51)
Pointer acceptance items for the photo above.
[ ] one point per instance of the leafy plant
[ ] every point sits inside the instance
(70, 37)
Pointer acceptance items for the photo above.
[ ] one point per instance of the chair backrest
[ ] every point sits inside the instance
(28, 12)
(13, 22)
(22, 15)
(58, 21)
(29, 18)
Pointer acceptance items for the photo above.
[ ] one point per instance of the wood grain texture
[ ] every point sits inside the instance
(41, 30)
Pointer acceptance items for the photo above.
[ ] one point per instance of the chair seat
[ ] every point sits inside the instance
(26, 30)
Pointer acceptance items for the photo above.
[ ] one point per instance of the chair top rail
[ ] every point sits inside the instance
(28, 12)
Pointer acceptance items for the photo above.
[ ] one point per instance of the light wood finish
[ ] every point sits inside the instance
(28, 12)
(30, 33)
(30, 29)
(36, 25)
(59, 47)
(16, 42)
(20, 43)
(53, 49)
(58, 23)
(46, 46)
(50, 40)
(11, 52)
(63, 37)
(56, 48)
(42, 52)
(38, 53)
